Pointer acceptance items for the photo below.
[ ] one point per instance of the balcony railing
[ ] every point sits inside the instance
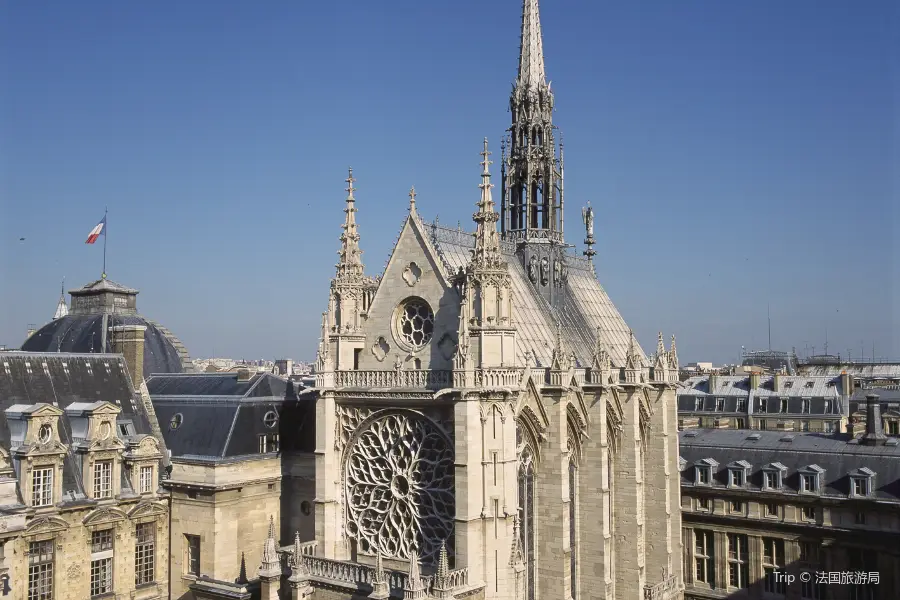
(428, 379)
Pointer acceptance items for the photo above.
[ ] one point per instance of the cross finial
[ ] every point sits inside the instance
(412, 198)
(350, 181)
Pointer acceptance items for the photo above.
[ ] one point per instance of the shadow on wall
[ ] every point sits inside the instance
(297, 434)
(446, 328)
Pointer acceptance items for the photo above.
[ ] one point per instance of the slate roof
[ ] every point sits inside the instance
(859, 371)
(63, 379)
(586, 306)
(837, 454)
(214, 415)
(83, 334)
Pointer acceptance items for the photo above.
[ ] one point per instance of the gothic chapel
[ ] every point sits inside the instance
(487, 425)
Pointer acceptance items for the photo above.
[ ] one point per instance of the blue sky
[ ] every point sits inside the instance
(742, 154)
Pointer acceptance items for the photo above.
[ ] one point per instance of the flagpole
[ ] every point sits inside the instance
(105, 228)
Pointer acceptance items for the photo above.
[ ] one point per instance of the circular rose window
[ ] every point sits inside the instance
(415, 323)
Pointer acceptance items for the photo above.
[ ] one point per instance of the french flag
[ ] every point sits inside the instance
(97, 231)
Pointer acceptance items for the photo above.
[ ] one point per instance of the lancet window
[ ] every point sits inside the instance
(527, 511)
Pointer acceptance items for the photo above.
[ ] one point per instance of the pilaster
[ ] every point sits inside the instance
(468, 481)
(328, 522)
(628, 501)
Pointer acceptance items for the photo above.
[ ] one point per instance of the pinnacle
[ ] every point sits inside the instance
(531, 48)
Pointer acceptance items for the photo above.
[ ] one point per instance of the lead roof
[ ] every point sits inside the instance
(586, 306)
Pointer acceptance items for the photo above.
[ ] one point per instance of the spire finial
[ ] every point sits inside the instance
(660, 346)
(412, 199)
(62, 309)
(270, 566)
(350, 265)
(487, 241)
(531, 47)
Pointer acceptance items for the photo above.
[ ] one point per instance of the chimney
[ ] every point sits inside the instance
(754, 380)
(776, 381)
(846, 383)
(874, 435)
(128, 340)
(243, 375)
(713, 382)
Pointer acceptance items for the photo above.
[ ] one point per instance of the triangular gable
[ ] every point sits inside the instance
(412, 227)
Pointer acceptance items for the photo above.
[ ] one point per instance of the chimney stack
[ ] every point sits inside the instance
(128, 340)
(243, 375)
(846, 383)
(713, 382)
(776, 381)
(754, 380)
(874, 435)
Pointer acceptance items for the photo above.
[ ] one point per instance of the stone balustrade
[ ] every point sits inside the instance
(498, 377)
(664, 590)
(355, 575)
(429, 379)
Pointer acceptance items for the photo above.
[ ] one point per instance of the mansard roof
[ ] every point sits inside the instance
(586, 307)
(219, 415)
(68, 380)
(804, 386)
(836, 457)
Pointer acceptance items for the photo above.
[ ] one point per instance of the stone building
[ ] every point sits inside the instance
(89, 326)
(487, 425)
(757, 503)
(83, 514)
(241, 450)
(776, 402)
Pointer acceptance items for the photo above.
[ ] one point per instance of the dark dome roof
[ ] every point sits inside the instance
(82, 333)
(82, 329)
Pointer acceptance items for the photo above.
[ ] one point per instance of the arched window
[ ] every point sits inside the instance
(573, 529)
(526, 516)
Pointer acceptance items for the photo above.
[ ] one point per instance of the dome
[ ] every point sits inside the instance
(82, 329)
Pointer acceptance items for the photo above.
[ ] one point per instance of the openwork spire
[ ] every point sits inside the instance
(660, 347)
(531, 47)
(415, 588)
(673, 355)
(270, 565)
(350, 264)
(441, 588)
(487, 240)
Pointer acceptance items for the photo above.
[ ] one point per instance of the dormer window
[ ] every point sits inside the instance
(742, 405)
(738, 473)
(828, 407)
(784, 405)
(773, 476)
(698, 404)
(704, 470)
(720, 404)
(861, 482)
(788, 384)
(763, 405)
(804, 406)
(44, 433)
(811, 479)
(42, 486)
(809, 384)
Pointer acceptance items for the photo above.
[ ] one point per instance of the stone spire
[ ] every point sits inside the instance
(601, 363)
(380, 588)
(531, 47)
(415, 589)
(558, 358)
(660, 347)
(350, 265)
(62, 309)
(270, 565)
(487, 241)
(442, 590)
(673, 356)
(299, 579)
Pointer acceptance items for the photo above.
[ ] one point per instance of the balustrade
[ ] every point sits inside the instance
(393, 379)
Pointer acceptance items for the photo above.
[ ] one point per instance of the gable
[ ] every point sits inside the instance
(414, 271)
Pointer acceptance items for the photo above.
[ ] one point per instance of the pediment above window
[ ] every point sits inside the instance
(147, 509)
(46, 525)
(103, 516)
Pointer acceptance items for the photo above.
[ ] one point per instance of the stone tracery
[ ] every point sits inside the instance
(399, 487)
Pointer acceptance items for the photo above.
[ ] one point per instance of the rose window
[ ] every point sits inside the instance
(399, 478)
(415, 323)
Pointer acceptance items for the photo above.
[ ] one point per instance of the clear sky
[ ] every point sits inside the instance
(740, 154)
